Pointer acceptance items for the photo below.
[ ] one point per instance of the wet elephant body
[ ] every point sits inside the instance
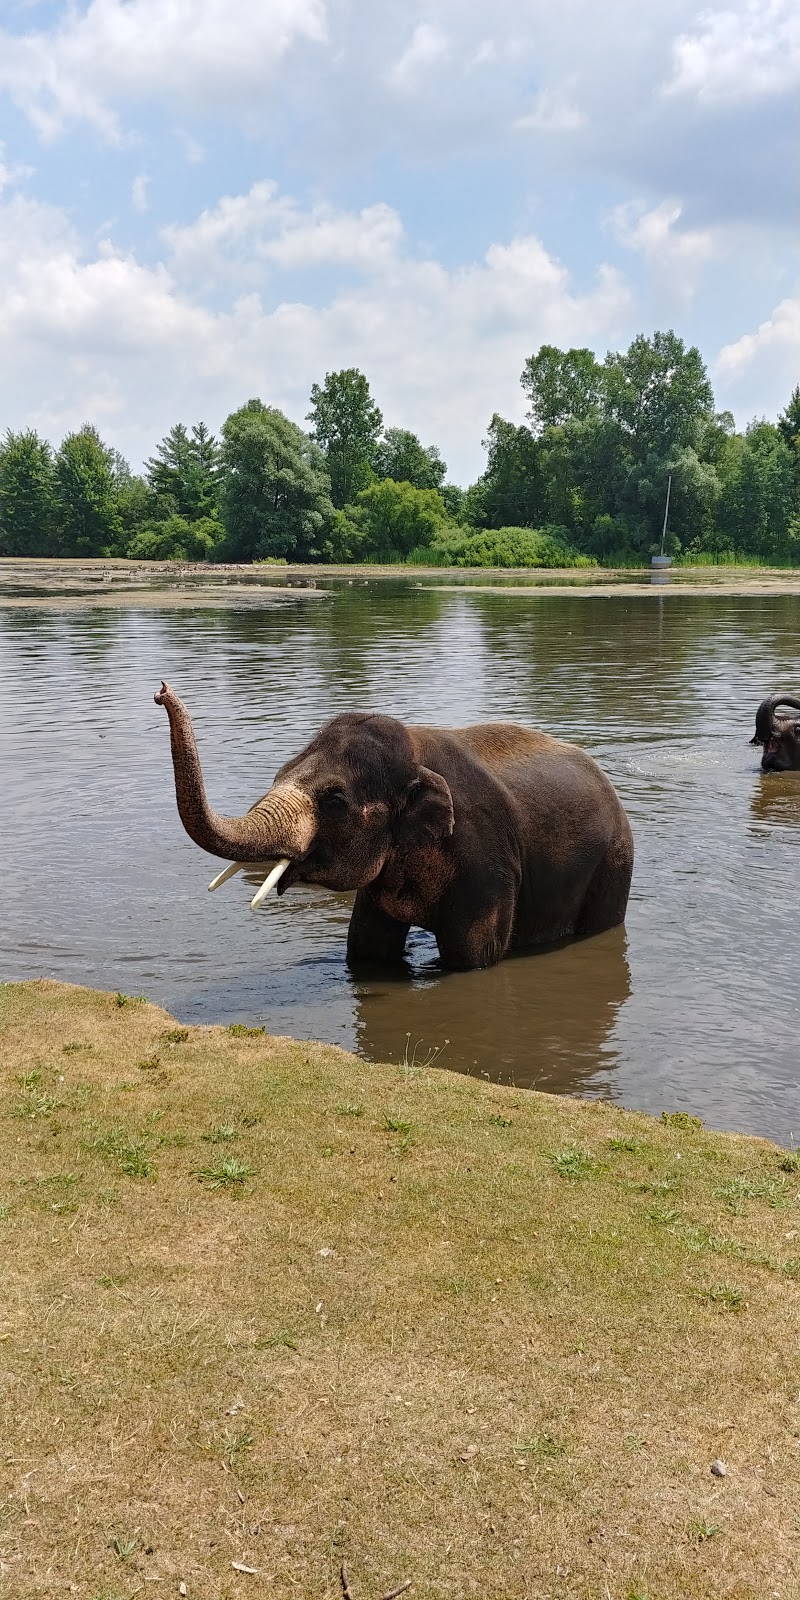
(491, 837)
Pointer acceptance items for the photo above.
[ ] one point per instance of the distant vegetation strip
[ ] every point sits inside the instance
(583, 481)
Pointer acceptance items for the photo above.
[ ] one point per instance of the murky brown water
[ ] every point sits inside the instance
(694, 1006)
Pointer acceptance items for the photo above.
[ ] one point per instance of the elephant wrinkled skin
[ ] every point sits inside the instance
(491, 837)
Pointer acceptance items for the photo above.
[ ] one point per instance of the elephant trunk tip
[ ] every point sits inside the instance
(163, 693)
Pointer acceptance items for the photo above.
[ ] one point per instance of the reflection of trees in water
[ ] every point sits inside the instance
(327, 653)
(80, 634)
(638, 666)
(775, 802)
(537, 1020)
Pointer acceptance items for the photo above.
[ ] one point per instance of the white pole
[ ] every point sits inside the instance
(666, 514)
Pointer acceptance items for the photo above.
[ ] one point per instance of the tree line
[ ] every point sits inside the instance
(582, 480)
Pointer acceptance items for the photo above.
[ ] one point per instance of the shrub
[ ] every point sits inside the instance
(502, 547)
(175, 539)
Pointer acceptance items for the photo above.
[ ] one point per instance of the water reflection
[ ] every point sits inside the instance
(538, 1020)
(775, 802)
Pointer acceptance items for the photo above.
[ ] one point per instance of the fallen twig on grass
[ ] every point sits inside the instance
(347, 1593)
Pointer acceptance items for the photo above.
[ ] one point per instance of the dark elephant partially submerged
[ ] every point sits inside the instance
(490, 837)
(779, 735)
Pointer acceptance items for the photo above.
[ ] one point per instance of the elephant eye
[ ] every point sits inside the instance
(333, 802)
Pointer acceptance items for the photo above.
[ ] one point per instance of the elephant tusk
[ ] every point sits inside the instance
(222, 877)
(270, 882)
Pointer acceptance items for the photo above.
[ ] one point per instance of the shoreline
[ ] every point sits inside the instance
(121, 582)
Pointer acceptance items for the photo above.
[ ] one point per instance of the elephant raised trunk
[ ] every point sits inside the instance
(281, 824)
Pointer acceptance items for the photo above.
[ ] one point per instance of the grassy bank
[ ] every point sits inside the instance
(268, 1307)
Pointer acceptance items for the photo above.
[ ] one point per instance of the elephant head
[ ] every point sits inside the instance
(780, 736)
(335, 812)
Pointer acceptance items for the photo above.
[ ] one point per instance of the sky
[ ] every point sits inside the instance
(203, 201)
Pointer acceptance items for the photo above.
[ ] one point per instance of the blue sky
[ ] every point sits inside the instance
(206, 200)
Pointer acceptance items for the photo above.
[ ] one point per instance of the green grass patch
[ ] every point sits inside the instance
(229, 1173)
(573, 1163)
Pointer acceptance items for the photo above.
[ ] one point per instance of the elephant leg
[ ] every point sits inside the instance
(482, 941)
(606, 898)
(373, 938)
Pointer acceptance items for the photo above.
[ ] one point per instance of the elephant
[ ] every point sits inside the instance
(780, 736)
(491, 837)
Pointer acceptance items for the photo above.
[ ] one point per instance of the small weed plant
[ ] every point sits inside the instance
(573, 1163)
(226, 1174)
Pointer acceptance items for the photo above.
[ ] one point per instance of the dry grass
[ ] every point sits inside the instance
(267, 1307)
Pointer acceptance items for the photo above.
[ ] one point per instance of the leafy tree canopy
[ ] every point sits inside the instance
(275, 492)
(658, 393)
(346, 423)
(400, 455)
(395, 518)
(89, 521)
(184, 471)
(789, 420)
(561, 385)
(27, 496)
(512, 483)
(176, 539)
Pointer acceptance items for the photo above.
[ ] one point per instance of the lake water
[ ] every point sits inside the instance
(694, 1006)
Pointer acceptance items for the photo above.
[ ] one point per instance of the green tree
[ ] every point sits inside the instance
(789, 420)
(658, 393)
(274, 492)
(346, 423)
(453, 497)
(757, 494)
(27, 496)
(184, 472)
(89, 521)
(513, 489)
(694, 497)
(395, 518)
(789, 426)
(400, 455)
(134, 498)
(585, 475)
(561, 385)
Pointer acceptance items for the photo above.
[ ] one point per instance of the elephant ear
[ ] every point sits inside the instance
(427, 810)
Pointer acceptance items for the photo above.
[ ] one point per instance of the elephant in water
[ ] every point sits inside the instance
(780, 736)
(490, 837)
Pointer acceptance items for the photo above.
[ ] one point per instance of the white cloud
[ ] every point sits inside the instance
(429, 44)
(192, 148)
(442, 348)
(762, 368)
(739, 54)
(675, 254)
(552, 112)
(139, 196)
(244, 233)
(339, 84)
(207, 53)
(11, 174)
